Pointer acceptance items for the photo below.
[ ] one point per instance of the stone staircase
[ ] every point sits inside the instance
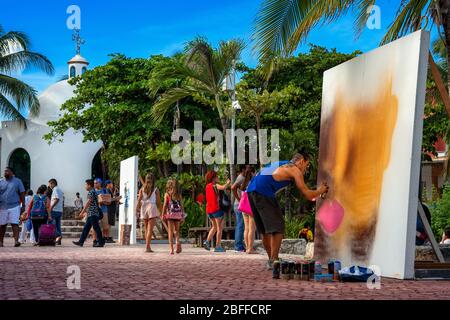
(70, 229)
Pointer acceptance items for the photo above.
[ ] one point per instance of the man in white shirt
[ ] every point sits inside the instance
(56, 207)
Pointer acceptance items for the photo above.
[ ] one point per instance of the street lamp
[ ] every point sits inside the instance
(230, 86)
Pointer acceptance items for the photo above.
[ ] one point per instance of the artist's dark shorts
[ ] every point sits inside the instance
(267, 213)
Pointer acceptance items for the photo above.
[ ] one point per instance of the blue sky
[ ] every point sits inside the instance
(141, 28)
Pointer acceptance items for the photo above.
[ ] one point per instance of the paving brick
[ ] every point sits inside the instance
(116, 272)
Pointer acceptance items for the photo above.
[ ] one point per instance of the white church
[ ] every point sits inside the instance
(70, 162)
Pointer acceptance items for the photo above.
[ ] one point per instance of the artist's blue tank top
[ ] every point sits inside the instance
(264, 183)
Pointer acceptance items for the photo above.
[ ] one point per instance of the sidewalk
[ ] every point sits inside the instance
(117, 272)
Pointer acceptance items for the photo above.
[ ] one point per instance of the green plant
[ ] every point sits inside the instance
(195, 216)
(295, 224)
(440, 213)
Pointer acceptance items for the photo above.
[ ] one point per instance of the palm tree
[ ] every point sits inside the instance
(255, 104)
(204, 70)
(15, 95)
(281, 25)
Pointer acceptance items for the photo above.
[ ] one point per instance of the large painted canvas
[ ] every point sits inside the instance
(370, 144)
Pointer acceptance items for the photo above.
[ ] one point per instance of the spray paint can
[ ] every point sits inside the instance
(304, 271)
(285, 272)
(337, 268)
(291, 269)
(311, 268)
(317, 268)
(331, 267)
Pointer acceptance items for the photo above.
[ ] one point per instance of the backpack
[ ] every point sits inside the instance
(39, 210)
(175, 211)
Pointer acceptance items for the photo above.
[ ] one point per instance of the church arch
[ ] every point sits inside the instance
(72, 72)
(20, 162)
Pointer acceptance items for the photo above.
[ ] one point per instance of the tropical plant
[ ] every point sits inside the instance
(440, 213)
(15, 56)
(255, 104)
(205, 70)
(196, 215)
(281, 25)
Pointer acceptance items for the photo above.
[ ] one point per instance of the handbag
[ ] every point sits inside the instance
(244, 204)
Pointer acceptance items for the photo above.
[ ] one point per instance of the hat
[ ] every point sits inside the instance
(98, 180)
(108, 182)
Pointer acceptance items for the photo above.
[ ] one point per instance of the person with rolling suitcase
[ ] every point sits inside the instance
(39, 214)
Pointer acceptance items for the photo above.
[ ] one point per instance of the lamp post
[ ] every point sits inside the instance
(230, 86)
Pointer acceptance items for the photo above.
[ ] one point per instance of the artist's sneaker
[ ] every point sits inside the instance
(207, 245)
(269, 264)
(219, 249)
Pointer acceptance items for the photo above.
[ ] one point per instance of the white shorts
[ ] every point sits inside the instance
(9, 216)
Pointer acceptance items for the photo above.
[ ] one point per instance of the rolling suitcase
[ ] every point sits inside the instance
(47, 235)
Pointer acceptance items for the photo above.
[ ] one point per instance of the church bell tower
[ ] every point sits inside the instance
(78, 64)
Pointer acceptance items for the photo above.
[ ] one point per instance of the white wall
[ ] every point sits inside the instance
(69, 162)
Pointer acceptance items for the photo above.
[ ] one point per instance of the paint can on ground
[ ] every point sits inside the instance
(317, 268)
(304, 271)
(276, 270)
(337, 268)
(284, 270)
(291, 269)
(311, 268)
(331, 267)
(298, 270)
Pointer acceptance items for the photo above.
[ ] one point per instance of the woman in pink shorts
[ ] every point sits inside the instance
(149, 207)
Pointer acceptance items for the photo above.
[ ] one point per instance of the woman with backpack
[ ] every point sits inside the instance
(38, 211)
(213, 210)
(149, 207)
(173, 212)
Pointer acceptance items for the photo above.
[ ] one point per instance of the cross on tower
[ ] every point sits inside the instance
(77, 39)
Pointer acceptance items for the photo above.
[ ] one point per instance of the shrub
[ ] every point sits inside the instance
(195, 216)
(440, 213)
(295, 224)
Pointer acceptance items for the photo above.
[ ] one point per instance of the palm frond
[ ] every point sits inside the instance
(363, 13)
(282, 24)
(13, 38)
(167, 100)
(8, 110)
(22, 94)
(409, 18)
(24, 60)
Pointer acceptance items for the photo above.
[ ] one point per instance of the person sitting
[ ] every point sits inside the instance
(446, 236)
(306, 233)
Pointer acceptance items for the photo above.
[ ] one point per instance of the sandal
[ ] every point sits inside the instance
(252, 252)
(178, 247)
(148, 250)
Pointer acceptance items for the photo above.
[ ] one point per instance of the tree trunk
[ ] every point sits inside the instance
(446, 27)
(177, 120)
(104, 163)
(258, 128)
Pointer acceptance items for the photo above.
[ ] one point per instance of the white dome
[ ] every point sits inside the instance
(51, 100)
(78, 59)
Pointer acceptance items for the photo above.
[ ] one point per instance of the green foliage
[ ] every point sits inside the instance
(295, 224)
(440, 213)
(196, 215)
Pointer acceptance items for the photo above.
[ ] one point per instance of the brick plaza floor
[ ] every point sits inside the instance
(116, 272)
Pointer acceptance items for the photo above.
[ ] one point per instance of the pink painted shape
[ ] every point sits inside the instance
(330, 215)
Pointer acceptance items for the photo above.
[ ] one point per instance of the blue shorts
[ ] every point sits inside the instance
(217, 214)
